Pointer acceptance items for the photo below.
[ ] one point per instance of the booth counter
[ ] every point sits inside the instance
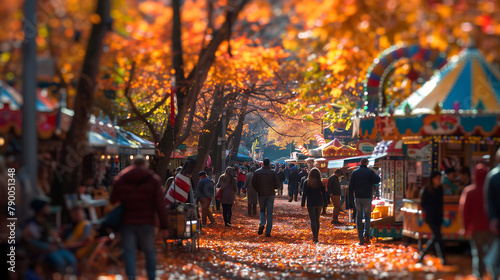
(414, 225)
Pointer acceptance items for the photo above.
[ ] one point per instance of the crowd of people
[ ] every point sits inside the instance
(141, 198)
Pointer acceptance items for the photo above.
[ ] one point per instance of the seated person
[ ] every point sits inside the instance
(80, 238)
(83, 195)
(43, 243)
(449, 186)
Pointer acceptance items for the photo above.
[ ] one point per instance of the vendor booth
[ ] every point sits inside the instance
(452, 121)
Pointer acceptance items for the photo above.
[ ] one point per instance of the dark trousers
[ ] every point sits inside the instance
(252, 209)
(227, 213)
(437, 241)
(217, 204)
(293, 189)
(314, 213)
(143, 237)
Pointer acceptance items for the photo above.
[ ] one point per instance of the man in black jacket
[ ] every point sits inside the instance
(361, 187)
(265, 181)
(333, 188)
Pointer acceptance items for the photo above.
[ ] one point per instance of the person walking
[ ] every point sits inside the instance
(205, 191)
(293, 184)
(303, 176)
(265, 182)
(170, 179)
(281, 175)
(252, 197)
(343, 186)
(138, 189)
(492, 195)
(333, 188)
(228, 185)
(475, 220)
(432, 206)
(241, 179)
(286, 171)
(360, 188)
(314, 193)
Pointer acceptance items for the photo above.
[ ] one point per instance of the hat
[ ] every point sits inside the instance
(38, 203)
(178, 169)
(202, 173)
(139, 160)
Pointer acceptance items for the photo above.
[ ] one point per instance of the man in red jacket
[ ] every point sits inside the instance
(475, 220)
(138, 189)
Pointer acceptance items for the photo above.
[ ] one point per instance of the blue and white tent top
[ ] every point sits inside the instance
(467, 83)
(8, 95)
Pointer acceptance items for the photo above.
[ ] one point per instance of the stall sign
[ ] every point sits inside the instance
(420, 152)
(366, 146)
(440, 124)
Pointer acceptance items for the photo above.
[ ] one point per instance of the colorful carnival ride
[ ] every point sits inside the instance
(453, 120)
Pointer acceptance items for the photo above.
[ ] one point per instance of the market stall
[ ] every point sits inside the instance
(451, 121)
(386, 216)
(53, 120)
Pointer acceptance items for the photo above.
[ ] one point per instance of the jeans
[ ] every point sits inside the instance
(363, 209)
(342, 196)
(437, 241)
(314, 213)
(144, 236)
(227, 213)
(266, 202)
(205, 211)
(336, 207)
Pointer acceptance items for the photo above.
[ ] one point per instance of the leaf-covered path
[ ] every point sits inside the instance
(239, 253)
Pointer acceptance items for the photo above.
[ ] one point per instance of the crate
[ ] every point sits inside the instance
(184, 227)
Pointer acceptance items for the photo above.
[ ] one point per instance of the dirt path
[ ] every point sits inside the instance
(238, 252)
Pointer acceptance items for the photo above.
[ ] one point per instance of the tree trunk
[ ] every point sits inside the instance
(216, 158)
(189, 88)
(76, 142)
(218, 167)
(235, 142)
(209, 133)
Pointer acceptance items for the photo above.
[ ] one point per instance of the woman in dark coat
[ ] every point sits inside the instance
(229, 186)
(252, 196)
(432, 205)
(314, 193)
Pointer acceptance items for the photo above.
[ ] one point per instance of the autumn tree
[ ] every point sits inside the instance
(337, 42)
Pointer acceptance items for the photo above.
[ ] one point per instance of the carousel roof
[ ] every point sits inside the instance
(468, 82)
(8, 95)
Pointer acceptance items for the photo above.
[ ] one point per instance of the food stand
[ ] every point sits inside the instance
(451, 121)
